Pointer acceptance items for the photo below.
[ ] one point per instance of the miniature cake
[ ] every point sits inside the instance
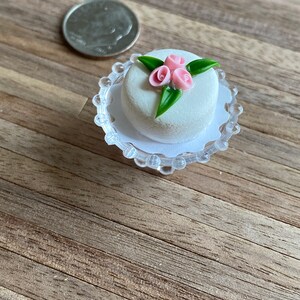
(170, 95)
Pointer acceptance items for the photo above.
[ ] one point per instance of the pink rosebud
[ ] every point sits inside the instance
(182, 79)
(160, 76)
(174, 62)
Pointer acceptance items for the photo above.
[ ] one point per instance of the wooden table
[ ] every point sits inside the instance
(78, 221)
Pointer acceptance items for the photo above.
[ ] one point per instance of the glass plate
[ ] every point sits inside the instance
(135, 146)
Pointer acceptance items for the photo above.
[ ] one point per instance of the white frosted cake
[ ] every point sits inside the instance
(193, 109)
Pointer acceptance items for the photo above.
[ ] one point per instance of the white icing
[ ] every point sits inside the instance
(191, 114)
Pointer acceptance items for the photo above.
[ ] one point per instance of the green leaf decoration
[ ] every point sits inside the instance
(169, 97)
(151, 63)
(199, 66)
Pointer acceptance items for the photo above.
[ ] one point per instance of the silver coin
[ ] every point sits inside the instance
(101, 28)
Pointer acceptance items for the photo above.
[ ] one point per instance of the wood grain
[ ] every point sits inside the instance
(41, 92)
(79, 221)
(244, 18)
(72, 136)
(202, 178)
(215, 37)
(213, 285)
(184, 229)
(6, 294)
(47, 71)
(269, 94)
(89, 264)
(32, 278)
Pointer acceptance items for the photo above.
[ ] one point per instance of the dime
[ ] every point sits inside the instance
(101, 28)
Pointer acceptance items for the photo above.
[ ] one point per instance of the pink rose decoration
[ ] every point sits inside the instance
(174, 62)
(160, 76)
(182, 79)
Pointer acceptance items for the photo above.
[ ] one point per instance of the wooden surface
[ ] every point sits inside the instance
(78, 221)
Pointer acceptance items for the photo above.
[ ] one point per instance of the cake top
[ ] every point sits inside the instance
(174, 74)
(192, 106)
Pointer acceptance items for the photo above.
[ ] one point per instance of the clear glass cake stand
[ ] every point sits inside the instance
(163, 163)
